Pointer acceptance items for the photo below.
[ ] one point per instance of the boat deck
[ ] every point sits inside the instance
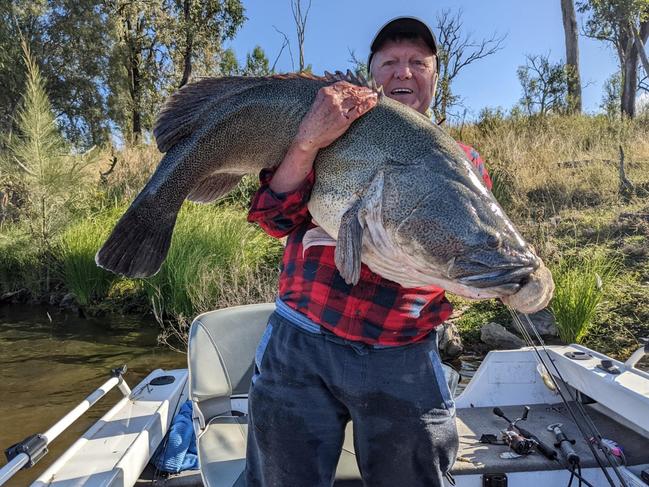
(476, 458)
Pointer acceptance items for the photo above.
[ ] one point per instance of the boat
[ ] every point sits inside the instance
(523, 419)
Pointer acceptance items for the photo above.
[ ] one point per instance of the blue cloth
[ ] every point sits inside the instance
(178, 452)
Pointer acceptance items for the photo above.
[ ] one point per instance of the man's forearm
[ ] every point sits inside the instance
(294, 169)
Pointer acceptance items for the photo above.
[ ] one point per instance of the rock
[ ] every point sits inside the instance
(14, 296)
(497, 336)
(55, 299)
(449, 341)
(543, 321)
(69, 301)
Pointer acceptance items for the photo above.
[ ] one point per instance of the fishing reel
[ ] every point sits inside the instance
(517, 442)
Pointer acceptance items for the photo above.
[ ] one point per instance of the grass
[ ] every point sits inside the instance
(554, 163)
(20, 260)
(216, 257)
(78, 246)
(581, 284)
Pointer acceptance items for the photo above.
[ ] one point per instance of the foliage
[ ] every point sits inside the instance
(109, 65)
(257, 63)
(612, 96)
(581, 284)
(194, 32)
(70, 40)
(212, 251)
(20, 261)
(37, 158)
(229, 65)
(544, 84)
(76, 253)
(612, 21)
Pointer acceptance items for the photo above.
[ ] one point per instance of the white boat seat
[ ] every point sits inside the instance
(222, 451)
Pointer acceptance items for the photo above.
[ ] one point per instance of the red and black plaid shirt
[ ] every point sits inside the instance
(374, 311)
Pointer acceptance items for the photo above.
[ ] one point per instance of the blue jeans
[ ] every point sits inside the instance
(309, 383)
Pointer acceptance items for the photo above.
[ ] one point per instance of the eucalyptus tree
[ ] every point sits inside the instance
(572, 55)
(160, 45)
(614, 21)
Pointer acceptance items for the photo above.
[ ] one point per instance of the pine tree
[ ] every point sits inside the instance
(37, 159)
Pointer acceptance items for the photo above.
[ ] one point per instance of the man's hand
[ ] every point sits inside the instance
(335, 108)
(535, 295)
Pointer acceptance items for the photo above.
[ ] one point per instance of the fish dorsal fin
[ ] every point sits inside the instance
(356, 79)
(184, 109)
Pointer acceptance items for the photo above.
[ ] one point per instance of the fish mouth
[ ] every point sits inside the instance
(508, 280)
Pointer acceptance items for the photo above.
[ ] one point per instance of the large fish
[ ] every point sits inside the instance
(395, 190)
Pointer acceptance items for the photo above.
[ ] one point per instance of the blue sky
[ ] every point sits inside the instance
(336, 26)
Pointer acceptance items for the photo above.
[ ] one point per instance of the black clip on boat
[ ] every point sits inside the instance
(522, 440)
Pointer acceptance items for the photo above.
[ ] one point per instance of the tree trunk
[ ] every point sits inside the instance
(134, 81)
(629, 74)
(640, 39)
(572, 55)
(189, 45)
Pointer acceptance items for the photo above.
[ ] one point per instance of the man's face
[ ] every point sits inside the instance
(406, 69)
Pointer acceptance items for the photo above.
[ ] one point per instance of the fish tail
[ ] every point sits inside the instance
(133, 249)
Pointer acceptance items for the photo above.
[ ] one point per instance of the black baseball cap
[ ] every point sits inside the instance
(403, 25)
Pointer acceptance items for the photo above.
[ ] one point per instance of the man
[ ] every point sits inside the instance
(333, 352)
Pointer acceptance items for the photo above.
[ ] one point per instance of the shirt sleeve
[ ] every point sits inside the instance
(477, 161)
(278, 214)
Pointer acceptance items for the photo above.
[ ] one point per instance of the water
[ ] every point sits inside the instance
(48, 366)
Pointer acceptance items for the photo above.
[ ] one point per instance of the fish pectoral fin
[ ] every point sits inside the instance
(349, 245)
(213, 187)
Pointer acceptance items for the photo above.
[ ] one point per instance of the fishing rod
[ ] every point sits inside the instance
(594, 433)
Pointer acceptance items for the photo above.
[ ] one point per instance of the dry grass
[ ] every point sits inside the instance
(132, 169)
(543, 165)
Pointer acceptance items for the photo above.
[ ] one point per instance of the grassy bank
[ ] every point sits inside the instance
(557, 177)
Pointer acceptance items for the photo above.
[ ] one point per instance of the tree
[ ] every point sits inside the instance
(197, 29)
(544, 85)
(74, 56)
(257, 63)
(229, 66)
(139, 73)
(614, 21)
(456, 51)
(572, 55)
(300, 15)
(70, 40)
(611, 100)
(38, 160)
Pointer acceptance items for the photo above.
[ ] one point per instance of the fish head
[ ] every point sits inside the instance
(445, 228)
